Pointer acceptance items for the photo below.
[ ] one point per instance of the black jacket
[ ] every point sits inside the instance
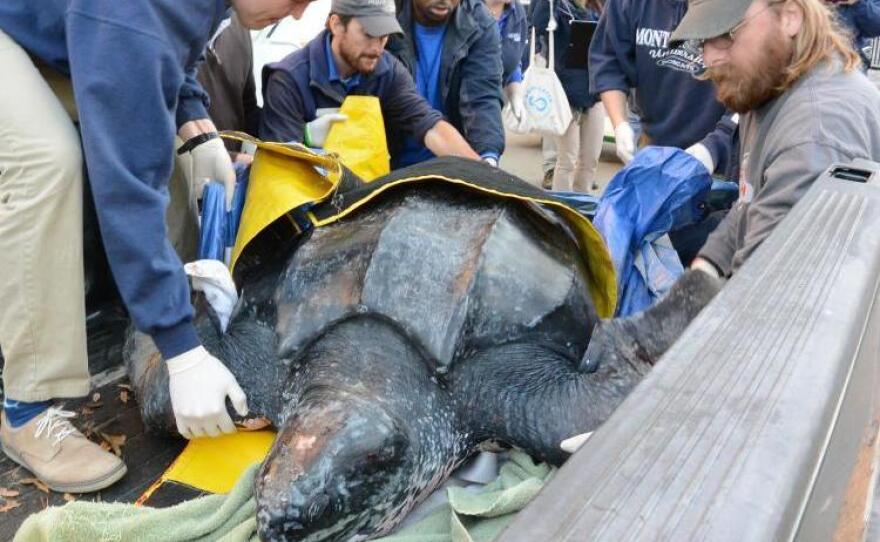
(470, 72)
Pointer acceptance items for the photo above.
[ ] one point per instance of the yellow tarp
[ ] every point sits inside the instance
(360, 141)
(283, 177)
(286, 176)
(215, 464)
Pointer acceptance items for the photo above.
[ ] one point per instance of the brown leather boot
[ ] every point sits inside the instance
(58, 454)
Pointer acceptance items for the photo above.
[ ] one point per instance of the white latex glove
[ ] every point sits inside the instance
(701, 153)
(199, 384)
(516, 97)
(210, 161)
(317, 130)
(702, 264)
(214, 279)
(573, 444)
(625, 140)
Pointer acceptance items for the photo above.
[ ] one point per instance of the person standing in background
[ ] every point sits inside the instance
(578, 149)
(862, 19)
(227, 75)
(513, 26)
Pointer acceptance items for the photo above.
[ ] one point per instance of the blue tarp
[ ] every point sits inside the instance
(661, 190)
(218, 227)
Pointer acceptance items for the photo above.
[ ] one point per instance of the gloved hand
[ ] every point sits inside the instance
(704, 265)
(214, 279)
(317, 130)
(573, 444)
(625, 140)
(210, 161)
(199, 384)
(516, 97)
(701, 153)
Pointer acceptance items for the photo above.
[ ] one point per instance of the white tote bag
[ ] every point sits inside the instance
(546, 105)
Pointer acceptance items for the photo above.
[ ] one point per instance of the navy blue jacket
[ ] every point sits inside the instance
(575, 81)
(630, 50)
(297, 86)
(470, 72)
(514, 41)
(133, 70)
(863, 20)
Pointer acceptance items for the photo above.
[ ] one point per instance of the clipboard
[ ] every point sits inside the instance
(577, 53)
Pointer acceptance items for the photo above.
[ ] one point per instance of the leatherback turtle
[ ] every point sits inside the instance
(386, 348)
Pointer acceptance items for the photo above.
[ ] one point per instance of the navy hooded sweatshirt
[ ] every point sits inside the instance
(630, 50)
(862, 19)
(132, 64)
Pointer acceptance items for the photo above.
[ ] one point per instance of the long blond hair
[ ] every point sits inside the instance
(821, 38)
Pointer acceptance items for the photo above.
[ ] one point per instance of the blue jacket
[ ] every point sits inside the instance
(629, 50)
(575, 81)
(297, 86)
(470, 72)
(863, 20)
(514, 41)
(132, 65)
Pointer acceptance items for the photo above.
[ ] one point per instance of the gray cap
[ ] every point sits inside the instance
(709, 19)
(378, 17)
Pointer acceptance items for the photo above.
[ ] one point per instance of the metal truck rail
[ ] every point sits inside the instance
(761, 422)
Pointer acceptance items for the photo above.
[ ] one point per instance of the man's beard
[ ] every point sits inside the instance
(742, 91)
(360, 63)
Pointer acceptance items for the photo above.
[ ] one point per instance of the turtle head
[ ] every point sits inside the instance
(337, 470)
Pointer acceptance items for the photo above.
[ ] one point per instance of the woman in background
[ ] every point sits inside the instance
(578, 149)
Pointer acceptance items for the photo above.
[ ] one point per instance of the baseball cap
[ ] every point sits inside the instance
(707, 19)
(378, 17)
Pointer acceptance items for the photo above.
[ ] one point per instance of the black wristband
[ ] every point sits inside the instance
(195, 141)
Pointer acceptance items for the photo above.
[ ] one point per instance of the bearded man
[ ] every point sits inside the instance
(303, 92)
(789, 70)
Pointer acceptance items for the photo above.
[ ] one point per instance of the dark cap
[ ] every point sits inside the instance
(378, 17)
(707, 19)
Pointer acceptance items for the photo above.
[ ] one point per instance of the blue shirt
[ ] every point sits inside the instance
(429, 44)
(333, 72)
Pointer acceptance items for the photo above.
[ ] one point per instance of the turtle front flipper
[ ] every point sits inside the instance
(533, 397)
(366, 436)
(149, 379)
(646, 336)
(246, 349)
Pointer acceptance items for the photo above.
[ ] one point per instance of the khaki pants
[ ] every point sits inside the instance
(42, 310)
(578, 150)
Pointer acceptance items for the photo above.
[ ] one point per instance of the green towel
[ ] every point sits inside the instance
(226, 518)
(481, 516)
(467, 517)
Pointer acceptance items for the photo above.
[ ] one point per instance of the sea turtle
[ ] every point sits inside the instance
(388, 346)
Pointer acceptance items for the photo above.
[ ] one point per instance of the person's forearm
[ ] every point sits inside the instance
(444, 140)
(195, 127)
(615, 105)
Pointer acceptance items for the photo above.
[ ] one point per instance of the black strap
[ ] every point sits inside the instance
(195, 141)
